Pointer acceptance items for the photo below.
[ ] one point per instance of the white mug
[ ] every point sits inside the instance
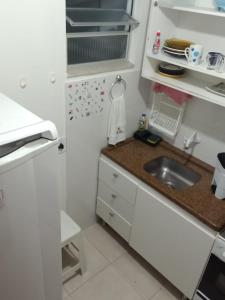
(194, 54)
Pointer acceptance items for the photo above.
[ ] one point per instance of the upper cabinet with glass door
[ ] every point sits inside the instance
(98, 30)
(201, 23)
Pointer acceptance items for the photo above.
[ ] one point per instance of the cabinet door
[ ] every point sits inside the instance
(170, 240)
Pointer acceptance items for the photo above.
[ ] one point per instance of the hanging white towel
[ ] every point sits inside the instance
(117, 121)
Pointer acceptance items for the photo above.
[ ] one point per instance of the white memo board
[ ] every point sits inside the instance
(85, 98)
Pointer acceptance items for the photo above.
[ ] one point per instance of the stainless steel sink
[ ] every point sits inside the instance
(174, 174)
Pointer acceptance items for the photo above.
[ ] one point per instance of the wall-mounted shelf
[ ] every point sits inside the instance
(188, 84)
(205, 7)
(161, 57)
(197, 10)
(194, 26)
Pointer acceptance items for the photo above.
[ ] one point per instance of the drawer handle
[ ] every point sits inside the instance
(115, 175)
(111, 214)
(114, 196)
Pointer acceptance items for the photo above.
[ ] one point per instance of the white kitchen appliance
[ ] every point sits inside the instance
(218, 182)
(30, 258)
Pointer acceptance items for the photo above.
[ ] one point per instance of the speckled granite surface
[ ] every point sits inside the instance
(198, 200)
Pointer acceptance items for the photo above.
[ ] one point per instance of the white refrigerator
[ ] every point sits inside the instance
(30, 254)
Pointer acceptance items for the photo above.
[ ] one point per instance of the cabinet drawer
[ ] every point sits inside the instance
(122, 206)
(113, 219)
(117, 180)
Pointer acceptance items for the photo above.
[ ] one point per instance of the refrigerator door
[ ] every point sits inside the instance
(30, 254)
(14, 116)
(16, 123)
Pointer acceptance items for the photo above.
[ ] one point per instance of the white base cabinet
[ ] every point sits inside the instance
(169, 240)
(116, 197)
(168, 237)
(113, 219)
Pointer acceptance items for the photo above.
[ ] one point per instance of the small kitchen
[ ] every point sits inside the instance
(135, 95)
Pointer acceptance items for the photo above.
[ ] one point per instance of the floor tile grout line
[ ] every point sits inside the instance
(69, 294)
(156, 293)
(67, 297)
(96, 274)
(161, 286)
(137, 292)
(111, 264)
(108, 264)
(102, 252)
(91, 277)
(130, 283)
(97, 248)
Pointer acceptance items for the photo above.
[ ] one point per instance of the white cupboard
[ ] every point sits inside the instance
(118, 179)
(170, 240)
(197, 21)
(116, 197)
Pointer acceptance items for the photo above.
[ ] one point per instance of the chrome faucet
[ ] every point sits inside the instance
(191, 141)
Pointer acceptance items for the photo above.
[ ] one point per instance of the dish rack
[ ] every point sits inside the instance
(166, 116)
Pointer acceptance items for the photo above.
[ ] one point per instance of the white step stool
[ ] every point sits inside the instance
(72, 242)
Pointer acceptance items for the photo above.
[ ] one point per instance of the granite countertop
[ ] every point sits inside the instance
(198, 200)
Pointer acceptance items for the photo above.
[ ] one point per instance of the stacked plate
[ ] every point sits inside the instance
(170, 70)
(176, 47)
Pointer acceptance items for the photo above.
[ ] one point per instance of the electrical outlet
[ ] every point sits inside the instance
(62, 144)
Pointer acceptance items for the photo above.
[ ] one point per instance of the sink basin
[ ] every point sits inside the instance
(174, 174)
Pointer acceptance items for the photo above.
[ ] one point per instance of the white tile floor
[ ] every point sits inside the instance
(115, 272)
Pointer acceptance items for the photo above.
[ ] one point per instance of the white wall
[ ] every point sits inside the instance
(32, 46)
(141, 10)
(86, 137)
(209, 120)
(32, 35)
